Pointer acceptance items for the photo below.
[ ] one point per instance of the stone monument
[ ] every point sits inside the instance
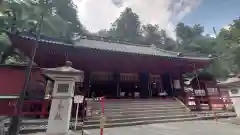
(63, 91)
(232, 85)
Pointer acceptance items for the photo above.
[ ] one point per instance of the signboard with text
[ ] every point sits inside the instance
(78, 99)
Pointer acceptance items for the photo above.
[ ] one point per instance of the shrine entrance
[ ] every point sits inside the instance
(167, 85)
(102, 84)
(129, 89)
(129, 85)
(106, 89)
(155, 85)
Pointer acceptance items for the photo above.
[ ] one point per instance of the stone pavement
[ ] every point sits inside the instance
(231, 120)
(178, 128)
(207, 127)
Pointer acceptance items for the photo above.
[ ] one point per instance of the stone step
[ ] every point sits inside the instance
(144, 108)
(139, 115)
(35, 129)
(135, 103)
(128, 112)
(135, 106)
(138, 100)
(140, 122)
(96, 119)
(146, 118)
(117, 116)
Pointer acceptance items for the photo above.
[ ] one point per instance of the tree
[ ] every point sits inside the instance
(103, 33)
(23, 16)
(67, 11)
(151, 34)
(127, 26)
(186, 36)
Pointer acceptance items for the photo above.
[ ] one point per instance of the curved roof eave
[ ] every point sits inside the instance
(120, 47)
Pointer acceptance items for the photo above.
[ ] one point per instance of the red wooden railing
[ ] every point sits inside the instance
(39, 108)
(36, 108)
(204, 102)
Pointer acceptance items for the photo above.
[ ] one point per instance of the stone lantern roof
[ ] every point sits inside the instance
(65, 71)
(232, 81)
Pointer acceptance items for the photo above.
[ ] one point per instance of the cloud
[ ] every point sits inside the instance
(96, 15)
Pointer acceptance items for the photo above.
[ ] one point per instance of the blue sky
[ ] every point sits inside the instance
(214, 13)
(210, 13)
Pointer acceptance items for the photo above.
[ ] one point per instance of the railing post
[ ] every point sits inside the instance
(102, 116)
(44, 108)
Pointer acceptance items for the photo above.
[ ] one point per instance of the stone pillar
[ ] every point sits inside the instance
(144, 81)
(63, 91)
(59, 117)
(117, 84)
(86, 83)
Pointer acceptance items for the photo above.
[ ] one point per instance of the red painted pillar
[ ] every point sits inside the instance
(44, 108)
(102, 109)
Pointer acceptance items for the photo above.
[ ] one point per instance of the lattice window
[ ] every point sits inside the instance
(155, 78)
(212, 91)
(101, 77)
(63, 88)
(200, 93)
(128, 77)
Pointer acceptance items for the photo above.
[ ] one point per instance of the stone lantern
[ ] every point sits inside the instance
(232, 86)
(63, 91)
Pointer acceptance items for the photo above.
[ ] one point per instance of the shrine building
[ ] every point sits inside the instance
(112, 68)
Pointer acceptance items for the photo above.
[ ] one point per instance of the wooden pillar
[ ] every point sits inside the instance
(117, 83)
(44, 109)
(144, 81)
(207, 96)
(171, 85)
(221, 98)
(86, 83)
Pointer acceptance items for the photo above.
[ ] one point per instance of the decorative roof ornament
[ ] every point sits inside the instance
(232, 75)
(153, 46)
(210, 56)
(179, 54)
(67, 68)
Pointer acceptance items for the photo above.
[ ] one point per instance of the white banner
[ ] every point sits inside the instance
(78, 99)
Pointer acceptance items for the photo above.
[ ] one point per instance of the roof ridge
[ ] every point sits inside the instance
(112, 39)
(125, 43)
(167, 51)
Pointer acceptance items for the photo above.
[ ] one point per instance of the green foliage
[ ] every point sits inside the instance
(58, 18)
(190, 40)
(127, 26)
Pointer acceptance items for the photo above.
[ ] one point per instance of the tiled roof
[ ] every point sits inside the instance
(103, 43)
(136, 49)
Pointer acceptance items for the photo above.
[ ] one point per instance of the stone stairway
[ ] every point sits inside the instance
(127, 112)
(124, 112)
